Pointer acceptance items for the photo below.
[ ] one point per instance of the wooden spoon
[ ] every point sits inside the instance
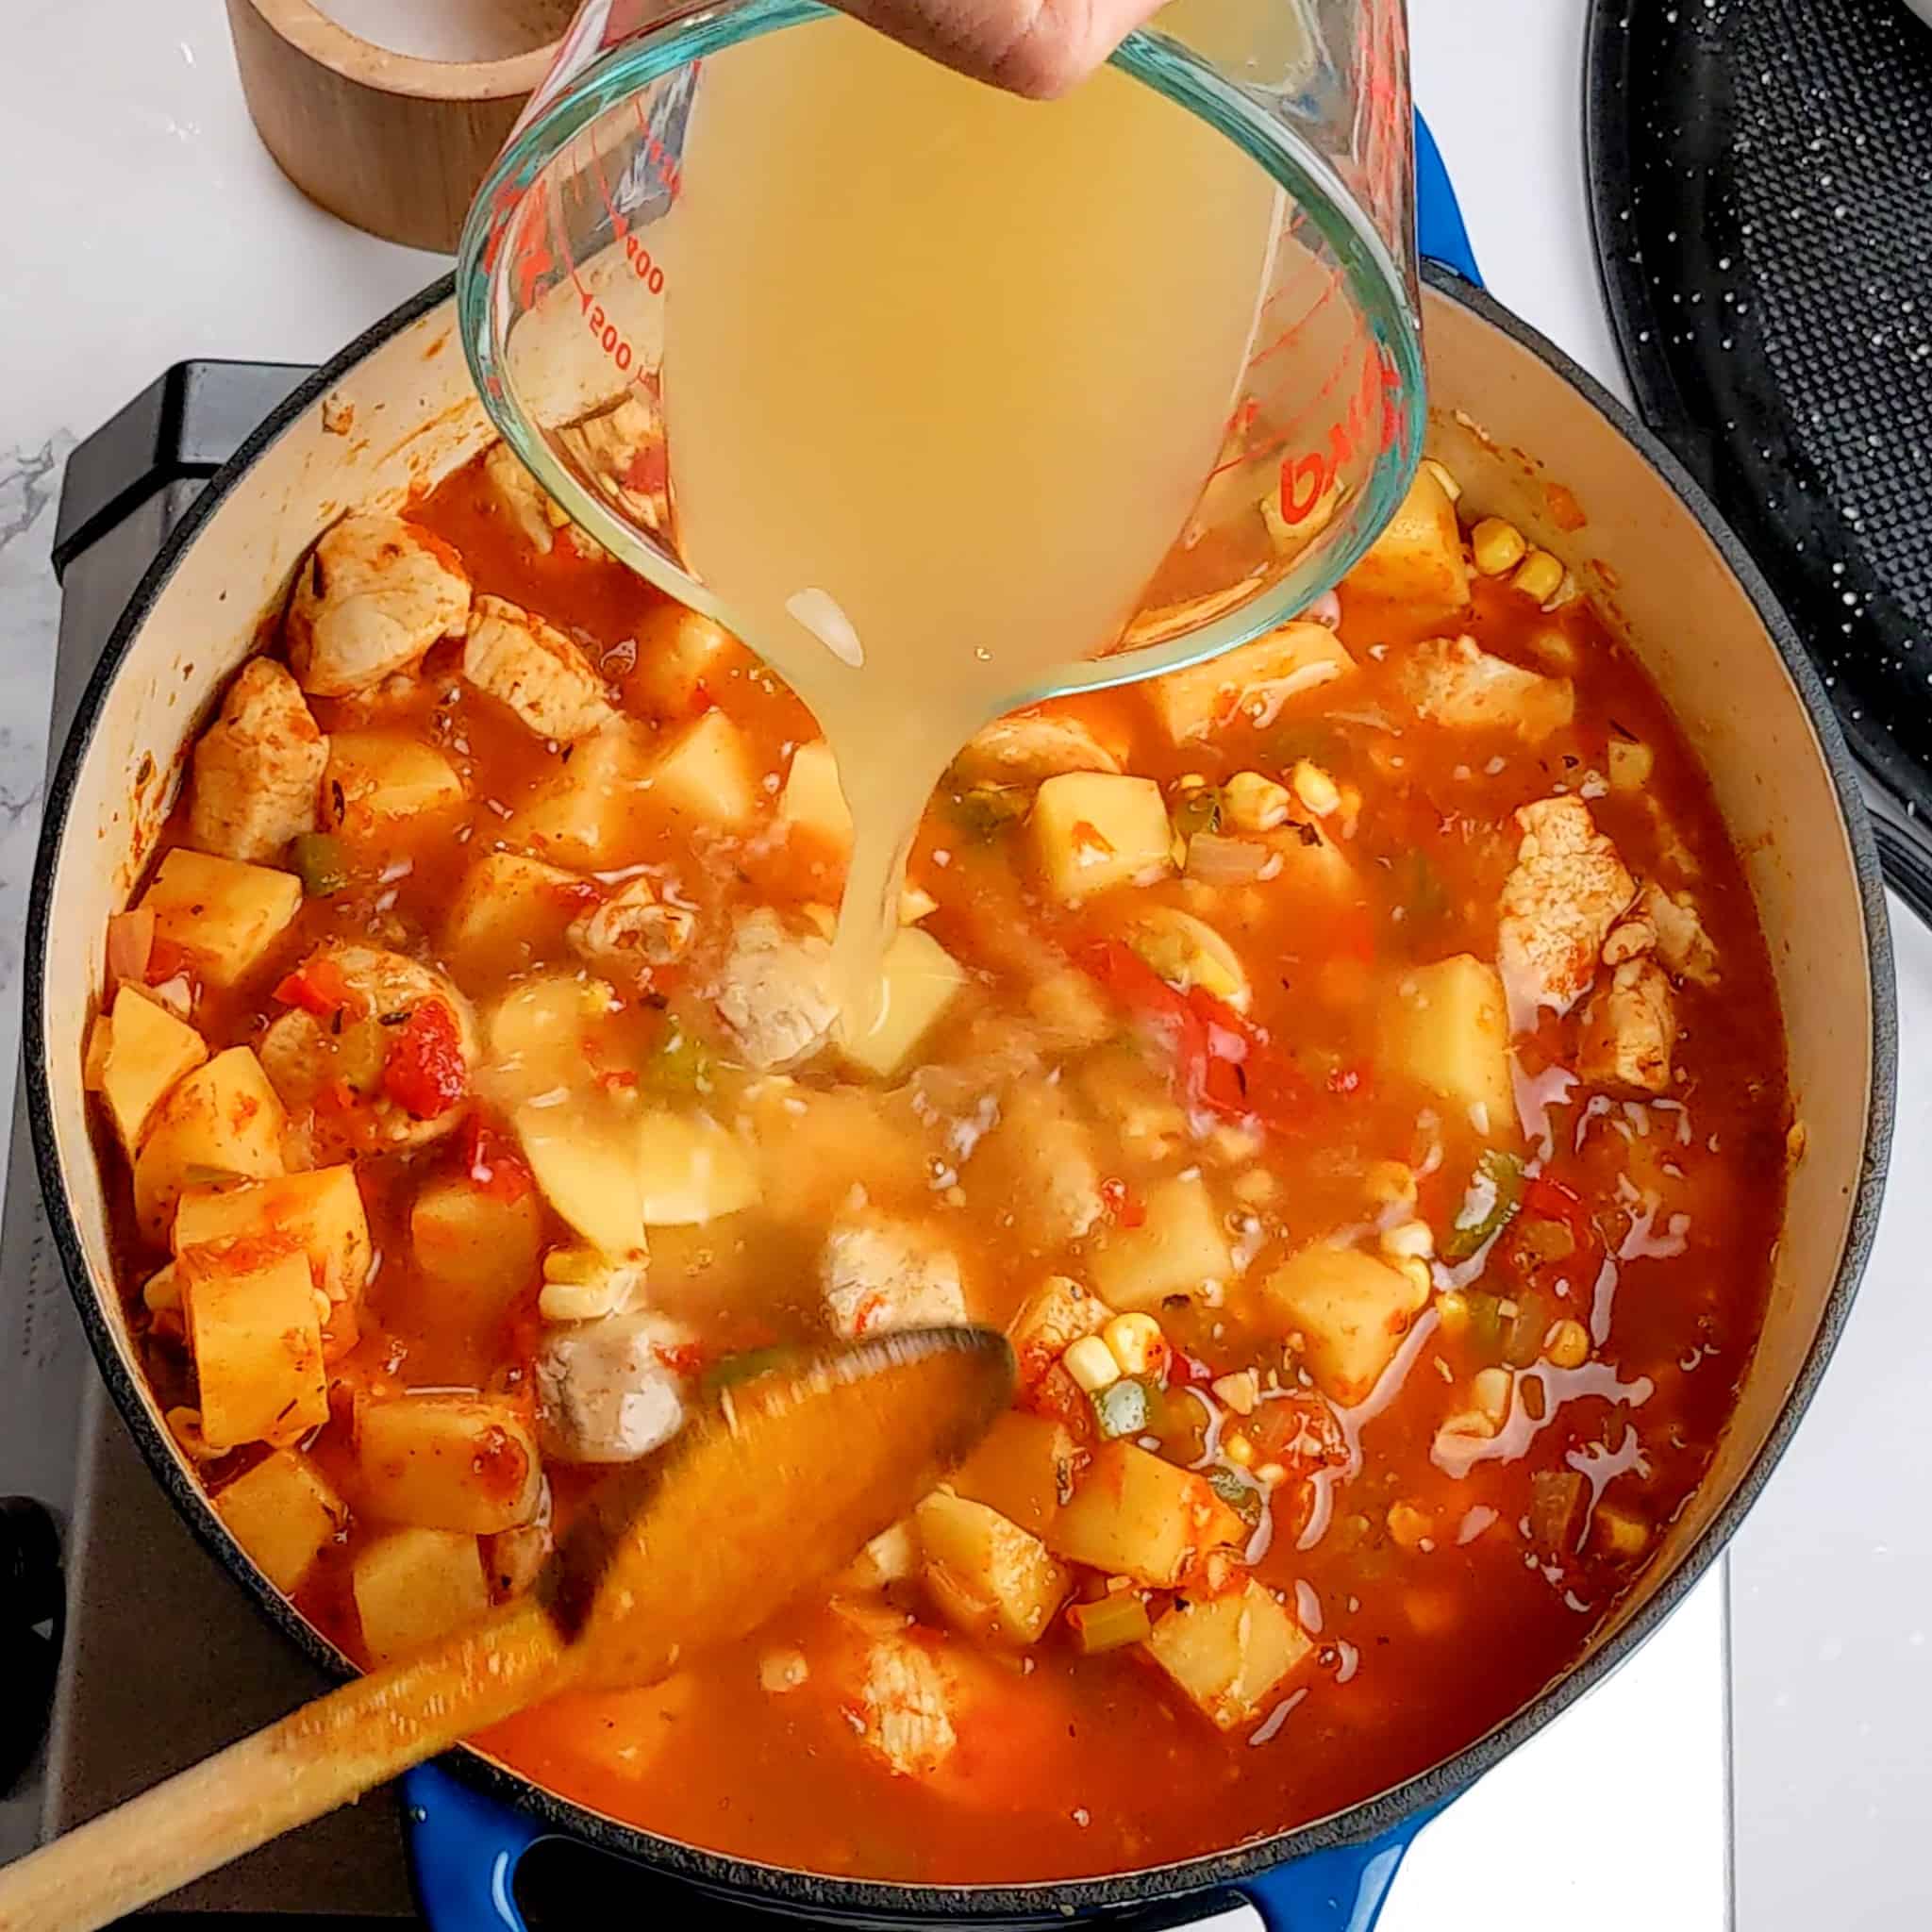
(773, 1489)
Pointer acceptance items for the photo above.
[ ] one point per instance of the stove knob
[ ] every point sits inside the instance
(32, 1608)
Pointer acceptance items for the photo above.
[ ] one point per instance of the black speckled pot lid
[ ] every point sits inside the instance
(1761, 178)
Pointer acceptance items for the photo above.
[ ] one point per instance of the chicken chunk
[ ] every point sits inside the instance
(341, 1054)
(539, 518)
(879, 1276)
(905, 1707)
(258, 769)
(1453, 681)
(533, 667)
(1028, 748)
(1682, 943)
(622, 449)
(1629, 1027)
(606, 1390)
(632, 931)
(376, 594)
(775, 993)
(1567, 891)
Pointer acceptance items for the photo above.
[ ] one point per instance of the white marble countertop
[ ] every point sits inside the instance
(150, 226)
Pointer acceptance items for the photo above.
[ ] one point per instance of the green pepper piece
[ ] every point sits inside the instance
(1120, 1408)
(1197, 809)
(1486, 1328)
(1111, 1624)
(1239, 1495)
(987, 810)
(1495, 1196)
(681, 1064)
(1523, 1339)
(746, 1366)
(320, 864)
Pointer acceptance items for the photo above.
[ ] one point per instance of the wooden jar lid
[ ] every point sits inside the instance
(394, 141)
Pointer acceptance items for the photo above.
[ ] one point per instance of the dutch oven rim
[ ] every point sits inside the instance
(782, 1887)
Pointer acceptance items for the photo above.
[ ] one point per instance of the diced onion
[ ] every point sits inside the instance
(130, 944)
(1219, 862)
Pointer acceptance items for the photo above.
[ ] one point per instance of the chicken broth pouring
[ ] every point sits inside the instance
(1350, 1070)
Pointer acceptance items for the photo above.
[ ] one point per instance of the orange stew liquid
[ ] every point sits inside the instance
(1380, 1186)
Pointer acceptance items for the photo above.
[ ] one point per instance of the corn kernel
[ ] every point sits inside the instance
(1567, 1345)
(1254, 803)
(162, 1291)
(574, 1265)
(1136, 1343)
(1450, 487)
(1416, 1270)
(1408, 1240)
(1631, 762)
(1567, 592)
(1539, 577)
(915, 902)
(1493, 1389)
(1315, 788)
(1496, 546)
(1092, 1364)
(1408, 1524)
(1241, 1390)
(1272, 1474)
(1257, 1187)
(1389, 1183)
(1452, 1311)
(1238, 1450)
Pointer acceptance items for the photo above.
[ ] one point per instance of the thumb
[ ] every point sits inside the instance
(1038, 48)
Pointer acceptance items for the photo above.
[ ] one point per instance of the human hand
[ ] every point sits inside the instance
(1038, 48)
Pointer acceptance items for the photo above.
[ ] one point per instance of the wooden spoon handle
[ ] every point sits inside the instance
(318, 1758)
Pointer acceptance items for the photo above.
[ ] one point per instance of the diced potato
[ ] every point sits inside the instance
(680, 654)
(1134, 1515)
(224, 915)
(891, 1557)
(811, 800)
(255, 1335)
(1254, 680)
(476, 1243)
(1417, 561)
(1096, 829)
(414, 1586)
(1631, 762)
(920, 978)
(534, 1037)
(378, 783)
(1447, 1026)
(222, 1120)
(1230, 1652)
(447, 1462)
(1050, 1321)
(1040, 1164)
(1023, 1467)
(321, 1211)
(989, 1576)
(1179, 1247)
(588, 815)
(284, 1512)
(586, 1161)
(1351, 1311)
(690, 1170)
(511, 912)
(147, 1051)
(705, 775)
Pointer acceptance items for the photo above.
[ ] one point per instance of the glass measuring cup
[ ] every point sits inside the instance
(565, 300)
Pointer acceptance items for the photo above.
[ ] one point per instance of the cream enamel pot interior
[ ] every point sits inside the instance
(396, 412)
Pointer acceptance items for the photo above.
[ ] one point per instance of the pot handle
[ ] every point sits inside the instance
(1442, 234)
(463, 1847)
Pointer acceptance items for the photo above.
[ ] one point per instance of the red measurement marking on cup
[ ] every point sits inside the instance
(1374, 410)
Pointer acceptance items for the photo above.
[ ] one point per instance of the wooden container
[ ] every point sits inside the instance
(396, 138)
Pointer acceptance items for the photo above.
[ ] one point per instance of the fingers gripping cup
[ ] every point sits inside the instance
(858, 358)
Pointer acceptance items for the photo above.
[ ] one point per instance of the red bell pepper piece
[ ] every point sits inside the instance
(425, 1073)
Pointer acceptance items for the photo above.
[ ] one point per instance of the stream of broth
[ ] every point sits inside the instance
(943, 377)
